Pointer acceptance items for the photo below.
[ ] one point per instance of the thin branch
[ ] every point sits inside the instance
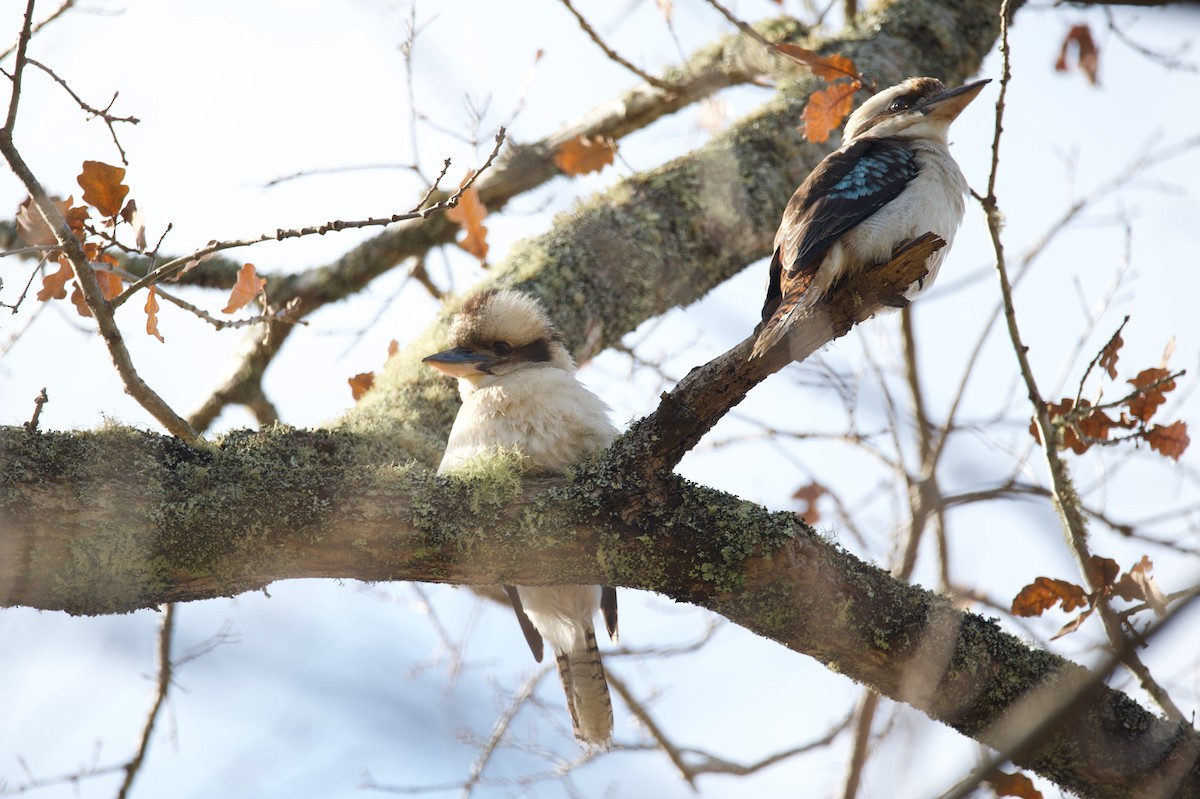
(10, 121)
(864, 717)
(163, 685)
(1066, 499)
(41, 399)
(171, 267)
(612, 54)
(63, 8)
(102, 113)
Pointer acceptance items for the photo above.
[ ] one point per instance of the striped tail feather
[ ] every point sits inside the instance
(586, 689)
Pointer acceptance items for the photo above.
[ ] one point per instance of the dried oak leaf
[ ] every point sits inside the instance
(808, 496)
(248, 286)
(393, 347)
(152, 315)
(1170, 441)
(829, 68)
(360, 384)
(1095, 424)
(1046, 592)
(32, 229)
(1146, 403)
(827, 109)
(54, 286)
(1089, 54)
(1109, 355)
(1074, 624)
(80, 303)
(1102, 572)
(102, 187)
(1015, 784)
(585, 154)
(469, 215)
(110, 283)
(1155, 598)
(133, 217)
(1070, 440)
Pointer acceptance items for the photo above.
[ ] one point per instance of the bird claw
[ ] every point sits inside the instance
(894, 300)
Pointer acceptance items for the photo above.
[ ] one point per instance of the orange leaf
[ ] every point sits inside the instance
(808, 495)
(1146, 403)
(829, 68)
(249, 285)
(1108, 355)
(102, 187)
(469, 214)
(54, 286)
(1058, 410)
(827, 109)
(360, 384)
(585, 154)
(393, 347)
(1046, 592)
(1015, 784)
(152, 315)
(110, 283)
(1089, 54)
(1169, 441)
(80, 303)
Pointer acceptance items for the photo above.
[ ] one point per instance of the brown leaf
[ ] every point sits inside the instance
(393, 347)
(1095, 424)
(1128, 589)
(808, 495)
(102, 187)
(1102, 572)
(1057, 411)
(152, 315)
(133, 217)
(1153, 595)
(249, 285)
(1089, 54)
(80, 303)
(1015, 784)
(32, 229)
(1170, 441)
(360, 384)
(54, 286)
(1146, 403)
(469, 214)
(829, 68)
(110, 283)
(1073, 625)
(827, 109)
(1108, 355)
(585, 154)
(1046, 592)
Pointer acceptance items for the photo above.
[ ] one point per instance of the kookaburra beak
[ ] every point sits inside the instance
(950, 103)
(460, 362)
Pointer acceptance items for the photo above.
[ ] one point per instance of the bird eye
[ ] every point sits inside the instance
(502, 348)
(900, 104)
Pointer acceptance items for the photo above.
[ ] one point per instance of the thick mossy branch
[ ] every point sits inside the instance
(115, 520)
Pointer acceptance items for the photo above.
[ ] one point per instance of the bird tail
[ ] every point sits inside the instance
(586, 688)
(774, 329)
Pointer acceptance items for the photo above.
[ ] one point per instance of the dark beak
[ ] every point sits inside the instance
(460, 362)
(950, 103)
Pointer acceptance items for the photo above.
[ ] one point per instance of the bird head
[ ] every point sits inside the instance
(918, 107)
(497, 333)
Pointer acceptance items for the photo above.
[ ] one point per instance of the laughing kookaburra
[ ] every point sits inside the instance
(518, 387)
(892, 180)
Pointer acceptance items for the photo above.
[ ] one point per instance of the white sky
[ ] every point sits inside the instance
(321, 683)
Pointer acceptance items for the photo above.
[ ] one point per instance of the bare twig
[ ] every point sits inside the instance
(38, 402)
(63, 8)
(612, 54)
(102, 113)
(163, 685)
(171, 267)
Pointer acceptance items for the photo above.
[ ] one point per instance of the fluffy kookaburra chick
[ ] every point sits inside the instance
(519, 389)
(892, 180)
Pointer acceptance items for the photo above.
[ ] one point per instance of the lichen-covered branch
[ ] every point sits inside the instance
(114, 520)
